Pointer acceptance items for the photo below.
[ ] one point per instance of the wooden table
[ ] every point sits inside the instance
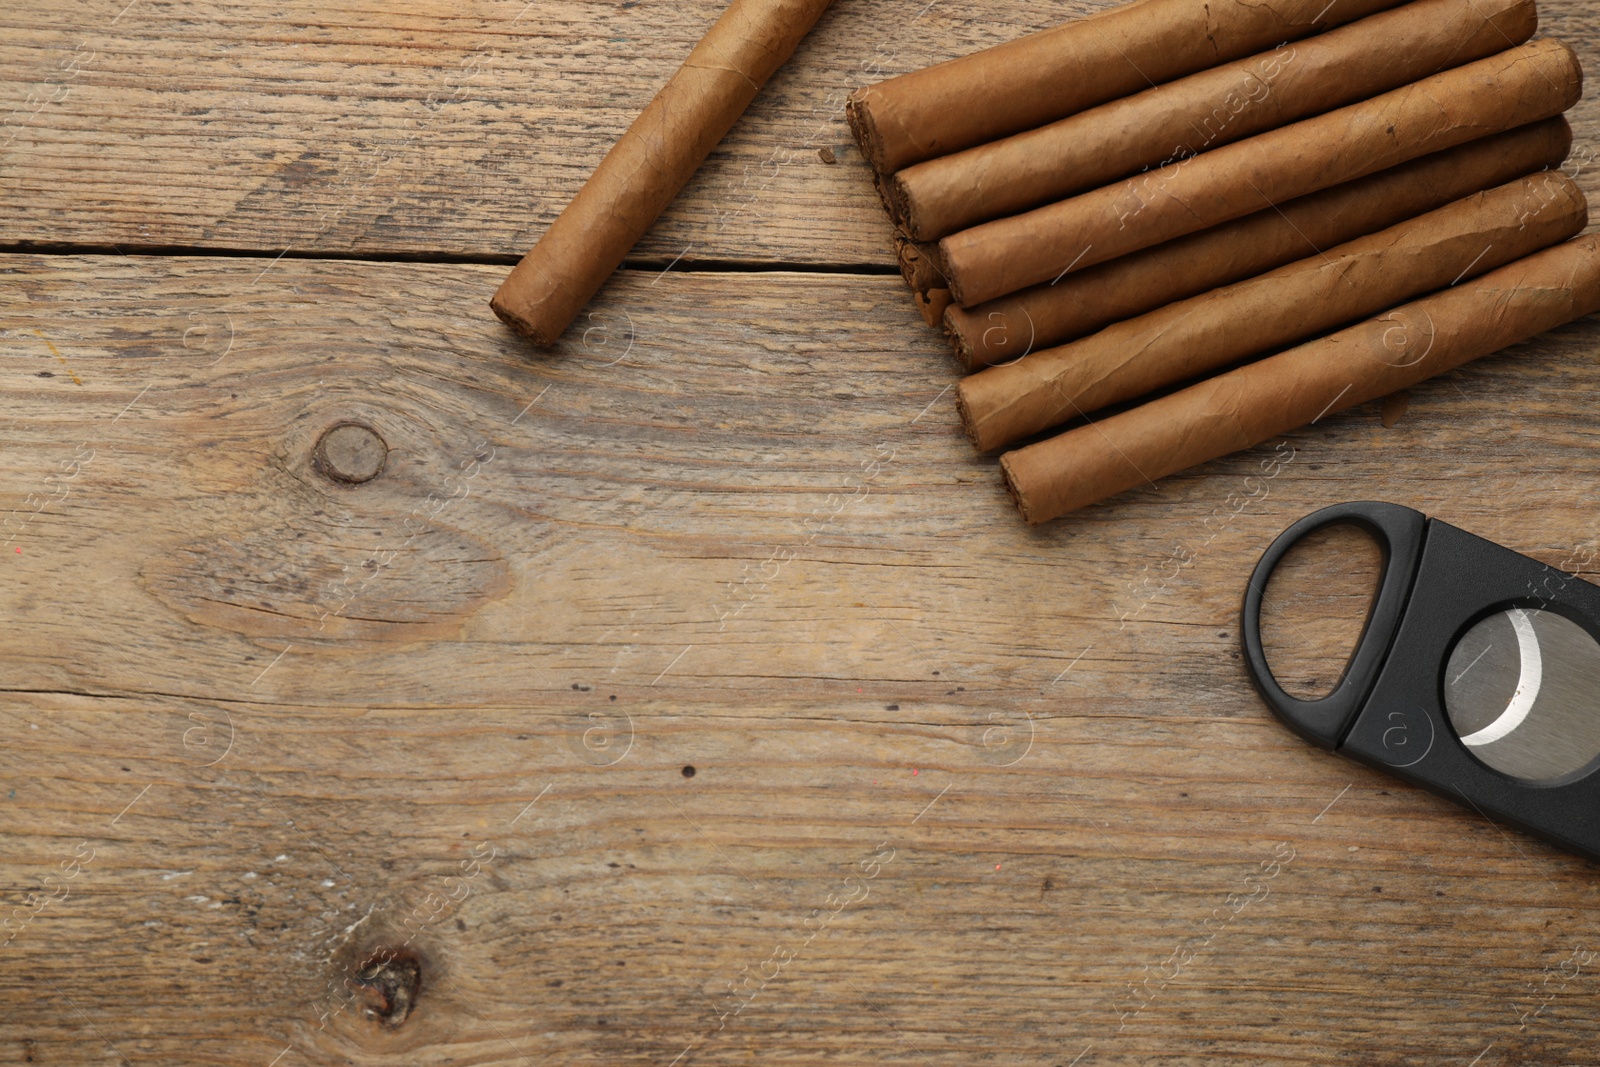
(691, 693)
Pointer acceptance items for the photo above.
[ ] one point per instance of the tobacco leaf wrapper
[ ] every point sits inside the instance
(1060, 71)
(1203, 111)
(652, 161)
(1518, 86)
(1002, 405)
(1263, 400)
(1090, 300)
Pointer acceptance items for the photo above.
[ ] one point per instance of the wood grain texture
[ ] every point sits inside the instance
(460, 128)
(1317, 601)
(958, 785)
(562, 738)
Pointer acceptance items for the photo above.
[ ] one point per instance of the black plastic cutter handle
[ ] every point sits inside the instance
(1400, 532)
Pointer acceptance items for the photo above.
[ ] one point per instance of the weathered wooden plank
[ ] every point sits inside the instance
(276, 725)
(432, 127)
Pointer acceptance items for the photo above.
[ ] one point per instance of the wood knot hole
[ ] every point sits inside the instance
(350, 452)
(388, 984)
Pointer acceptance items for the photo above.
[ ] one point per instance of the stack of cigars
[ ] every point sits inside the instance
(1220, 220)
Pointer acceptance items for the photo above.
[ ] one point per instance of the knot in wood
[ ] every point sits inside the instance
(350, 452)
(388, 984)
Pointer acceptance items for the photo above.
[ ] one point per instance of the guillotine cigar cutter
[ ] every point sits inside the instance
(1477, 674)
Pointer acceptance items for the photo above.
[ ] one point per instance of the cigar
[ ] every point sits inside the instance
(1518, 86)
(1258, 402)
(1090, 300)
(1058, 72)
(651, 162)
(1203, 111)
(1002, 405)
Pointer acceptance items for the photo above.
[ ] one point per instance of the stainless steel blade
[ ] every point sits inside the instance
(1522, 690)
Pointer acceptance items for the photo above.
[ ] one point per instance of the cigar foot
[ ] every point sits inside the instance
(880, 185)
(967, 422)
(520, 325)
(863, 129)
(1016, 491)
(960, 346)
(897, 201)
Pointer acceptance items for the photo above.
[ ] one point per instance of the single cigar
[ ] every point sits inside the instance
(652, 161)
(1518, 86)
(1002, 405)
(1258, 402)
(1090, 300)
(932, 304)
(1060, 71)
(1201, 112)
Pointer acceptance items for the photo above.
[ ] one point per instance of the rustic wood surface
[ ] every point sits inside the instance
(690, 693)
(457, 127)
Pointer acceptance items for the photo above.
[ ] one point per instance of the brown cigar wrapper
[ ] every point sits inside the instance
(1203, 111)
(1090, 300)
(1060, 71)
(1258, 402)
(652, 161)
(1518, 86)
(1002, 405)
